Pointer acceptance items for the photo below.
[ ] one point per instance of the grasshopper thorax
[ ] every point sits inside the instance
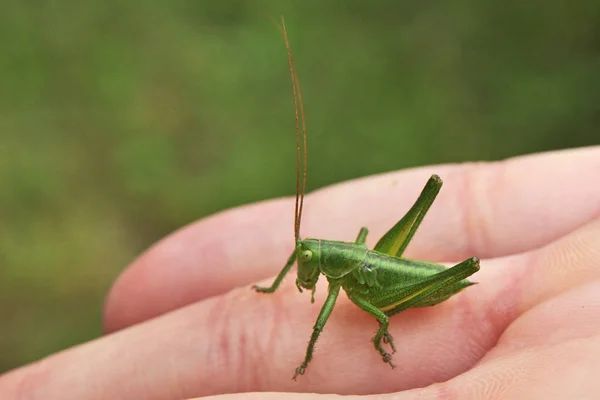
(308, 254)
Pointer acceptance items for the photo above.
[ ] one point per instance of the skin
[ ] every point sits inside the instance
(184, 323)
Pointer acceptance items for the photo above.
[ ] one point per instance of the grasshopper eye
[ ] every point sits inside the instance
(306, 255)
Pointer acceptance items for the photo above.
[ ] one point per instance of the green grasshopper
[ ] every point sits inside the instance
(379, 281)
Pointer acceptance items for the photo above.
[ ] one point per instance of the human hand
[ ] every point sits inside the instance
(185, 323)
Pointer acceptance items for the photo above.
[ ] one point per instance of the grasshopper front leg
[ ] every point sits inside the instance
(334, 291)
(279, 278)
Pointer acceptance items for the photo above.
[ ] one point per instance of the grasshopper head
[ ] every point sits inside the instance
(308, 252)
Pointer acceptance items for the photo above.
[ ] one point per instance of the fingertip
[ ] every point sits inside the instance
(204, 259)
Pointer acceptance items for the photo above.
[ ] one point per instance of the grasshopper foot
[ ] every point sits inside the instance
(387, 358)
(261, 289)
(387, 339)
(300, 370)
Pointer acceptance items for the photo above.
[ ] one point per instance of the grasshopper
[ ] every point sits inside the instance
(379, 281)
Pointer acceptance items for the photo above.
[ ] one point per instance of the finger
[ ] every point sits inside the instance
(285, 396)
(550, 352)
(243, 341)
(487, 210)
(484, 209)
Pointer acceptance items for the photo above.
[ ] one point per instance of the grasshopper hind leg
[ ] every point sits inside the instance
(430, 291)
(394, 242)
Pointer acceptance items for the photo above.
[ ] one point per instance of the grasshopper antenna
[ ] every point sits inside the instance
(300, 148)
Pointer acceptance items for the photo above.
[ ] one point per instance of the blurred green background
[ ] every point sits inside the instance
(122, 121)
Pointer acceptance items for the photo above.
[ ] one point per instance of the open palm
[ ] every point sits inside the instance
(185, 323)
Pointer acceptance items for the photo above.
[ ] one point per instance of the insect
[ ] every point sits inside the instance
(379, 281)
